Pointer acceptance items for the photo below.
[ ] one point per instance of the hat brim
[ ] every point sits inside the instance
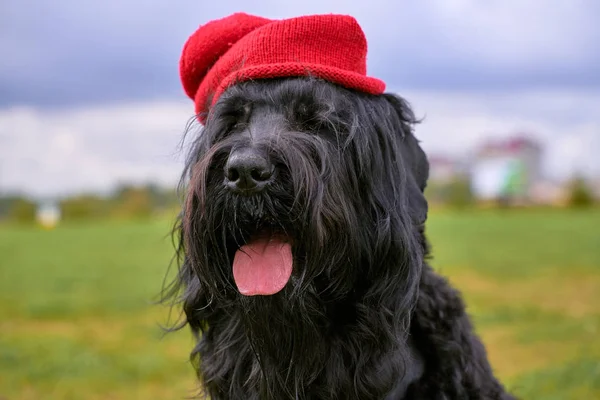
(347, 79)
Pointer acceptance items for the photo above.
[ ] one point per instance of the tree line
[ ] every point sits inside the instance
(147, 201)
(126, 201)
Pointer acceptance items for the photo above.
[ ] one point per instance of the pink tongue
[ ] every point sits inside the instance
(262, 267)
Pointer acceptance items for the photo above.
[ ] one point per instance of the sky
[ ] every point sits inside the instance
(90, 93)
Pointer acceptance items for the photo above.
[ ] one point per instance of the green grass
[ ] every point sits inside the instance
(77, 319)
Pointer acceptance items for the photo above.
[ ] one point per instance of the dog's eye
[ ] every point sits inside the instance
(302, 110)
(305, 111)
(320, 118)
(306, 117)
(237, 116)
(242, 112)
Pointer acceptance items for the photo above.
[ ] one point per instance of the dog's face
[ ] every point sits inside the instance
(300, 188)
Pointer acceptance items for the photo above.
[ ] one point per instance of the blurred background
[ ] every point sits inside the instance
(92, 113)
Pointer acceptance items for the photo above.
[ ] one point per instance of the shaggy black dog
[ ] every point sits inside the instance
(335, 179)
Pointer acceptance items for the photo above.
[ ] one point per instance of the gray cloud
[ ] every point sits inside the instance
(71, 52)
(90, 95)
(48, 153)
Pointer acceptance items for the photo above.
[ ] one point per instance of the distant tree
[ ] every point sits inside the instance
(22, 211)
(133, 202)
(6, 203)
(435, 192)
(459, 193)
(580, 195)
(162, 198)
(84, 207)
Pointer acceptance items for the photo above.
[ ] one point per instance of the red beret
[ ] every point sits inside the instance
(242, 47)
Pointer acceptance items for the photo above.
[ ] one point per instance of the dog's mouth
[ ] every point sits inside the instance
(263, 266)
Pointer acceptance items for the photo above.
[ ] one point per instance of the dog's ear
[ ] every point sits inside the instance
(418, 166)
(413, 157)
(418, 162)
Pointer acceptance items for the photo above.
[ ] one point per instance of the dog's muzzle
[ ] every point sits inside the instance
(247, 171)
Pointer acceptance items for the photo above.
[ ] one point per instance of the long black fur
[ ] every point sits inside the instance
(363, 316)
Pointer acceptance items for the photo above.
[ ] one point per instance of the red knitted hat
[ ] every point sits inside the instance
(243, 47)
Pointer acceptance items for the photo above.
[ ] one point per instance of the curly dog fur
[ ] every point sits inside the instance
(363, 316)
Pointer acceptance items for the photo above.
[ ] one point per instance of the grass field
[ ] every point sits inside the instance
(77, 320)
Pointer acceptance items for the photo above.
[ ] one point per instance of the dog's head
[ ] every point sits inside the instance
(299, 186)
(303, 214)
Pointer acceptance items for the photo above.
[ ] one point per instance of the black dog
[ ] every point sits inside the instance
(331, 181)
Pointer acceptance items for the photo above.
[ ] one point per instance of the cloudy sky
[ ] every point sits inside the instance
(90, 92)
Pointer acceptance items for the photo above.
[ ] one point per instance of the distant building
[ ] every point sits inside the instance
(506, 169)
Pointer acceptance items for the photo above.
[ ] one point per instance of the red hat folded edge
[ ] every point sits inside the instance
(244, 47)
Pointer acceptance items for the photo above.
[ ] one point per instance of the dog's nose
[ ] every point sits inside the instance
(247, 171)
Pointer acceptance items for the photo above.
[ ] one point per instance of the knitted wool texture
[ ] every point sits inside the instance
(244, 47)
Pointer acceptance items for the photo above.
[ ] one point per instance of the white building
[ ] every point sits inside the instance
(506, 169)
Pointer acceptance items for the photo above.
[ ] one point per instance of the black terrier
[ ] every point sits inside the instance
(301, 243)
(301, 169)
